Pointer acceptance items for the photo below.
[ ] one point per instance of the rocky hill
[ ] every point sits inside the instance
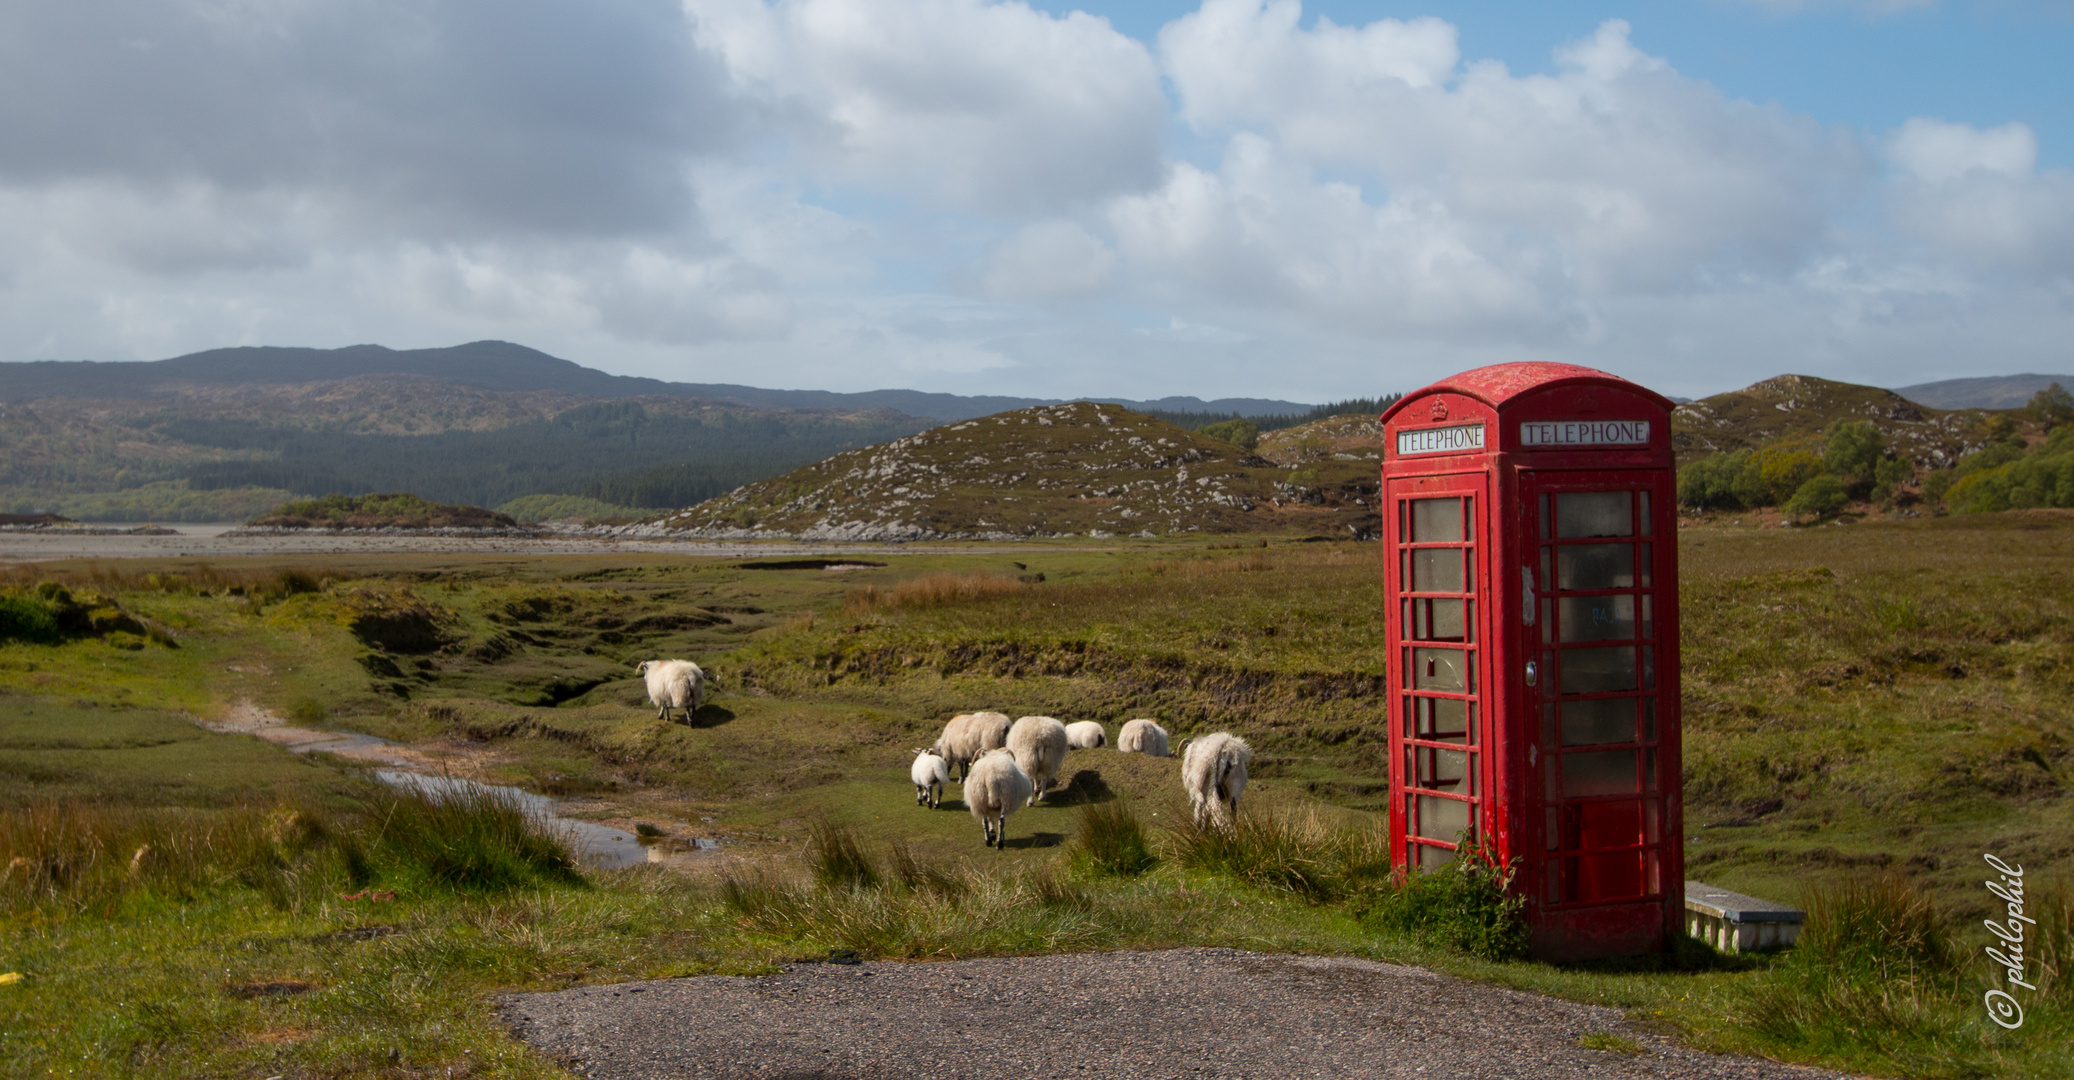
(1354, 437)
(1079, 468)
(1801, 407)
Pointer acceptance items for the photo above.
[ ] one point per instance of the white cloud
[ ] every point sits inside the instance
(1976, 195)
(1045, 261)
(1938, 152)
(985, 106)
(973, 195)
(1638, 176)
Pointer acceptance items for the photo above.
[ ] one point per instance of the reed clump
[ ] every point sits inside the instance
(1111, 840)
(88, 857)
(933, 590)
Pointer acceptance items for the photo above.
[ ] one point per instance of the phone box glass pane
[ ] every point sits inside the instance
(1594, 513)
(1599, 772)
(1441, 719)
(1436, 570)
(1445, 669)
(1443, 819)
(1597, 722)
(1433, 858)
(1598, 671)
(1440, 620)
(1436, 521)
(1597, 618)
(1595, 566)
(1442, 770)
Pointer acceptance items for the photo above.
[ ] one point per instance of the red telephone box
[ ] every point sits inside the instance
(1530, 539)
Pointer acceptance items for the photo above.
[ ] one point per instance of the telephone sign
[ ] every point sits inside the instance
(1532, 577)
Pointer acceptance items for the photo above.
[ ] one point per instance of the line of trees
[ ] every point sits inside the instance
(1199, 421)
(1854, 461)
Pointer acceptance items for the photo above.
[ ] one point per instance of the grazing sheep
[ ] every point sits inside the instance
(930, 773)
(994, 789)
(1086, 735)
(1214, 768)
(1039, 746)
(1142, 737)
(674, 684)
(969, 735)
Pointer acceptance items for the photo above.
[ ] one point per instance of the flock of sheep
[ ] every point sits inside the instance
(1004, 765)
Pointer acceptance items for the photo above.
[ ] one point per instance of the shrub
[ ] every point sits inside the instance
(1854, 450)
(1110, 839)
(1820, 496)
(1889, 475)
(1779, 473)
(1710, 482)
(1465, 905)
(28, 618)
(1236, 431)
(2051, 406)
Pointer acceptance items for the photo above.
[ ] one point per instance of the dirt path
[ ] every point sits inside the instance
(1193, 1013)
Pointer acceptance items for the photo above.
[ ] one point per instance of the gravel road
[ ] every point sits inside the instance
(1183, 1013)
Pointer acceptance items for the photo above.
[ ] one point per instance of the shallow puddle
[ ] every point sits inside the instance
(595, 845)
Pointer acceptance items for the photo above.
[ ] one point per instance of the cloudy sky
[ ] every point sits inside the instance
(1124, 198)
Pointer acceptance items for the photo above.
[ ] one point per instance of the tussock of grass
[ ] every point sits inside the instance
(466, 839)
(263, 585)
(1877, 975)
(932, 590)
(1611, 1043)
(837, 857)
(1299, 853)
(1110, 840)
(89, 858)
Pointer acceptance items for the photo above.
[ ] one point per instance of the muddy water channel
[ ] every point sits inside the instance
(407, 769)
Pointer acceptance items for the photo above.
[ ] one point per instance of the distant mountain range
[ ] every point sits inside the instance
(501, 365)
(1985, 392)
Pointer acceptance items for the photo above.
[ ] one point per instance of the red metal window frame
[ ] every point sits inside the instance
(1411, 750)
(1601, 848)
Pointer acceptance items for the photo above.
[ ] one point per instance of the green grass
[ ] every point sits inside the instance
(1874, 699)
(1611, 1043)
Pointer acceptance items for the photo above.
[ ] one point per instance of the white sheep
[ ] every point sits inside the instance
(1142, 737)
(930, 773)
(1214, 768)
(674, 684)
(1086, 735)
(969, 735)
(1039, 746)
(994, 789)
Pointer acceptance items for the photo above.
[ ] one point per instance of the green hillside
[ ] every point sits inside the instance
(1075, 469)
(1802, 408)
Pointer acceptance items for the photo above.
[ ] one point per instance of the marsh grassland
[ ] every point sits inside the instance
(1869, 708)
